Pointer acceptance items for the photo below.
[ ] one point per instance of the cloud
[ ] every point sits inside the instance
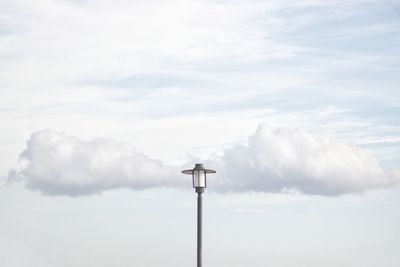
(279, 159)
(274, 160)
(395, 174)
(56, 163)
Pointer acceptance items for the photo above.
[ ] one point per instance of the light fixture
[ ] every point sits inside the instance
(199, 176)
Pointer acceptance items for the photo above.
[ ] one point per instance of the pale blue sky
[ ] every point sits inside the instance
(183, 81)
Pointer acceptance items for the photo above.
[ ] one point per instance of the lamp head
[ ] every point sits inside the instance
(199, 176)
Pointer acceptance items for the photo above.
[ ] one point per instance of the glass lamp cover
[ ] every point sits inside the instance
(199, 178)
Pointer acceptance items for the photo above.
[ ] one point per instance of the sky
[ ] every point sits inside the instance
(294, 103)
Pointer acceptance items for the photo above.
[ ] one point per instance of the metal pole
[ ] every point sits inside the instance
(199, 233)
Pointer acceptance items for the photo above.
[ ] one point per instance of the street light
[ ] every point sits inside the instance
(199, 176)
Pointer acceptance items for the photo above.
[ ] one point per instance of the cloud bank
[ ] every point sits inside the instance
(56, 163)
(279, 159)
(275, 160)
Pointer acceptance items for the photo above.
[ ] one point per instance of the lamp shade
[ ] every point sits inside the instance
(199, 175)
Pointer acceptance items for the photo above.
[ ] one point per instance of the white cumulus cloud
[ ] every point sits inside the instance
(274, 160)
(278, 159)
(56, 163)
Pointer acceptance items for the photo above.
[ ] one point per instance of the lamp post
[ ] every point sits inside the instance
(199, 176)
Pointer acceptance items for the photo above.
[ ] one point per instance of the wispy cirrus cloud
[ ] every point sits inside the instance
(128, 70)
